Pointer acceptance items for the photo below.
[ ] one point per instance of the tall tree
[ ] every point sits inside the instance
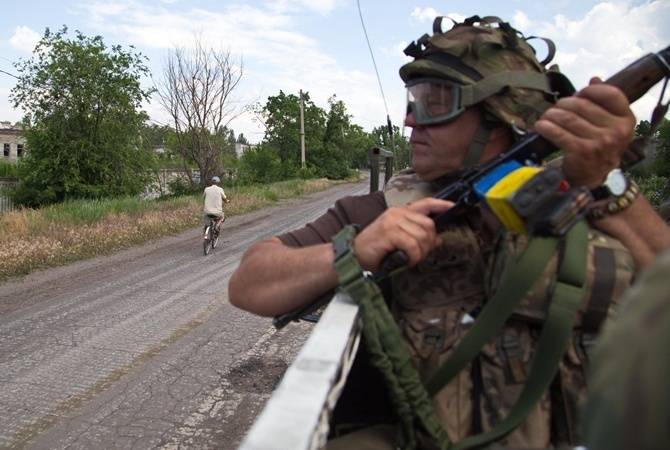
(83, 101)
(281, 117)
(196, 91)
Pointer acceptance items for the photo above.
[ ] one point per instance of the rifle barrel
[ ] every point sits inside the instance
(637, 78)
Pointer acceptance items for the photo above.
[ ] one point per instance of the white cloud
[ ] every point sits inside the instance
(520, 21)
(24, 39)
(610, 36)
(396, 51)
(6, 110)
(429, 14)
(277, 55)
(323, 7)
(424, 14)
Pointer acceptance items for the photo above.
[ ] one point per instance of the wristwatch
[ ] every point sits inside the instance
(615, 185)
(616, 194)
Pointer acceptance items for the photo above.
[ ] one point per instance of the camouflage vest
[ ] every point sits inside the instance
(434, 304)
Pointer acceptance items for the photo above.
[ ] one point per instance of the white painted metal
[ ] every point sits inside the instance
(296, 416)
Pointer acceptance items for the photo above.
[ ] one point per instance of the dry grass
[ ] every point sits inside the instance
(33, 239)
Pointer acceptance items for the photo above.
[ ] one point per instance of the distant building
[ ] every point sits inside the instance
(12, 142)
(241, 148)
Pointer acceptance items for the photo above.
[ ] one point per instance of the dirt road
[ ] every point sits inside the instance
(142, 349)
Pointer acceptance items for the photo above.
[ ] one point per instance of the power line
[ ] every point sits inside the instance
(10, 74)
(360, 14)
(379, 81)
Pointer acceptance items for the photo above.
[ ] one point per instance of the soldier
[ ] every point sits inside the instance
(473, 90)
(627, 405)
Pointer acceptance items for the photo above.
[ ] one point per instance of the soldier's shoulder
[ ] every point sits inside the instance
(406, 187)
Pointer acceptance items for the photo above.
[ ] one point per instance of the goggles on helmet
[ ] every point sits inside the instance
(433, 100)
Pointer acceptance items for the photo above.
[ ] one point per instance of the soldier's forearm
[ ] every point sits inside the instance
(274, 279)
(640, 229)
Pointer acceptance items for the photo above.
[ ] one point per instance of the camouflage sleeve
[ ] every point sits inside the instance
(361, 210)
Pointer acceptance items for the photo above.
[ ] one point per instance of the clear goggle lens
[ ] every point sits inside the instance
(433, 101)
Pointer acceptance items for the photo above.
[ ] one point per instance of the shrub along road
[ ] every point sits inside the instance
(142, 349)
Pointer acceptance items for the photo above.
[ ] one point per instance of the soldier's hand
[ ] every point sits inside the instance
(592, 128)
(408, 228)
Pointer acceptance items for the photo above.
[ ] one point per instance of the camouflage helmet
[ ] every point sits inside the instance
(495, 65)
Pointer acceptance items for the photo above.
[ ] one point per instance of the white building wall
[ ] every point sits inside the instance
(241, 148)
(12, 143)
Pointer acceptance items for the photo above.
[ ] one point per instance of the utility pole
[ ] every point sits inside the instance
(302, 131)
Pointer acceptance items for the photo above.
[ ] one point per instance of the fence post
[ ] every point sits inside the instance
(375, 154)
(6, 203)
(374, 169)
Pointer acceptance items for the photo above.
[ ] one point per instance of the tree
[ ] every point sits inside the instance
(399, 145)
(83, 101)
(281, 117)
(196, 91)
(653, 173)
(662, 139)
(241, 139)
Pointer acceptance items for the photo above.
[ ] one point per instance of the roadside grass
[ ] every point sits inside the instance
(59, 234)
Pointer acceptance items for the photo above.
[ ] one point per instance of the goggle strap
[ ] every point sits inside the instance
(493, 84)
(479, 141)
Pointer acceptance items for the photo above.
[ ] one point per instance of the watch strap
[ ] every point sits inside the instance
(615, 205)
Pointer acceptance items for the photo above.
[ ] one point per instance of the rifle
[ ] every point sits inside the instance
(634, 80)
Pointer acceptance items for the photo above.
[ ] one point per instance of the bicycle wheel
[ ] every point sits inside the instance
(206, 243)
(215, 238)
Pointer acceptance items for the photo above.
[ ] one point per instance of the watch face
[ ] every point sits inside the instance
(616, 182)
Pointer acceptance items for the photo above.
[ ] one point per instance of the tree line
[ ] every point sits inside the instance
(88, 137)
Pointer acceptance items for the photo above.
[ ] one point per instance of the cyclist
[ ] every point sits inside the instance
(214, 197)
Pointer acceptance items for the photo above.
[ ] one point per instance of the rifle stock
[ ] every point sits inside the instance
(634, 81)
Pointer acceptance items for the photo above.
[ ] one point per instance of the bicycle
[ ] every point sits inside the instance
(212, 232)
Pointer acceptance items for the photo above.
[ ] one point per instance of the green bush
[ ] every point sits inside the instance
(655, 187)
(8, 170)
(306, 173)
(180, 186)
(261, 165)
(330, 162)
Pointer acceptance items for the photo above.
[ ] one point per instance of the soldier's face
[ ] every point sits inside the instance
(440, 149)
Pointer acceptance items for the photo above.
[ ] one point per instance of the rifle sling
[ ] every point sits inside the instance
(387, 348)
(389, 351)
(553, 339)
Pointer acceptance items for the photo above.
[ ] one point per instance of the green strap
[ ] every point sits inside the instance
(478, 143)
(387, 348)
(491, 85)
(553, 340)
(513, 288)
(389, 351)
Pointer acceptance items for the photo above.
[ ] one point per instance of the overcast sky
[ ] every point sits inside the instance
(319, 45)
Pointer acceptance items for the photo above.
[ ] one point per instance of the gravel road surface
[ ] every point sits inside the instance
(141, 349)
